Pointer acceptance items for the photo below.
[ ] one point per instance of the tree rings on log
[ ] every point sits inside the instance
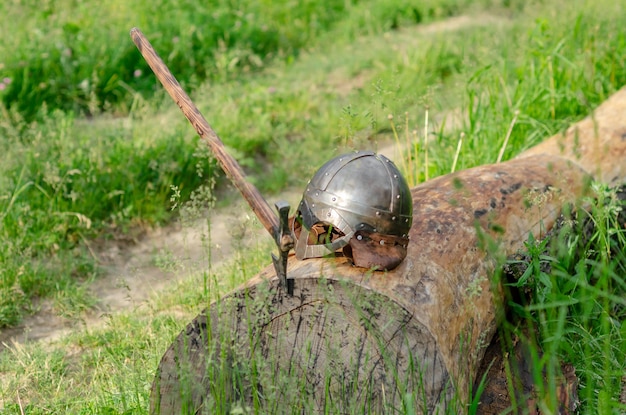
(333, 345)
(356, 340)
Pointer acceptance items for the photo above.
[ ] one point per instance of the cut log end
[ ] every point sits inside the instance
(332, 345)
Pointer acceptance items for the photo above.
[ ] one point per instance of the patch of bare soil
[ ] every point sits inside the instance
(134, 272)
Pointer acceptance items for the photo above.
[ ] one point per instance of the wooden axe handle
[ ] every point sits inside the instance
(230, 166)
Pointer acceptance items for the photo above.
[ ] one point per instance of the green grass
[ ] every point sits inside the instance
(99, 159)
(576, 300)
(65, 62)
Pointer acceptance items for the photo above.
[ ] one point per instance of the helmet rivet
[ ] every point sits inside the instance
(334, 199)
(340, 159)
(317, 193)
(395, 176)
(325, 174)
(312, 205)
(359, 237)
(382, 242)
(328, 214)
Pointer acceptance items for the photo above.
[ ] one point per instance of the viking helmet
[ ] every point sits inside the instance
(358, 204)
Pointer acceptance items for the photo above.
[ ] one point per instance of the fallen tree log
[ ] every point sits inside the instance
(351, 339)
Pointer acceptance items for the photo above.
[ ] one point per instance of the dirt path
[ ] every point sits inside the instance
(132, 274)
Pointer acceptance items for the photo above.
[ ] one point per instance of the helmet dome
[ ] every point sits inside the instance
(360, 201)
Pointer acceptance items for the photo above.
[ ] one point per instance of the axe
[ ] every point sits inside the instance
(276, 225)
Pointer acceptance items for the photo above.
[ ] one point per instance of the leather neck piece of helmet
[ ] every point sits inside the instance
(358, 205)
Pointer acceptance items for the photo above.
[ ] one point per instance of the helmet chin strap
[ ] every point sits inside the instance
(304, 250)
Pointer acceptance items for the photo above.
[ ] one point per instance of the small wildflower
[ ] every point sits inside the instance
(5, 82)
(137, 73)
(390, 117)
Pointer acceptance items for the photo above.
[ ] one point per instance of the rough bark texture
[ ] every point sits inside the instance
(355, 340)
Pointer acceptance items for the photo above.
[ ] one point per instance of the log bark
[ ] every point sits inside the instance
(355, 340)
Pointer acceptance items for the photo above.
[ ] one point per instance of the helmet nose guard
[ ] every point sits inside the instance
(355, 196)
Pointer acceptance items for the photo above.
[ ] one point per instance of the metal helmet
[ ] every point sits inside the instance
(358, 203)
